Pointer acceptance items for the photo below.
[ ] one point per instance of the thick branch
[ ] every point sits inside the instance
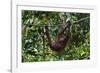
(82, 19)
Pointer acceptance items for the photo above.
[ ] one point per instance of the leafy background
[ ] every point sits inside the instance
(35, 46)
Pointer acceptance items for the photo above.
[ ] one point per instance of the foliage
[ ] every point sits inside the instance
(35, 46)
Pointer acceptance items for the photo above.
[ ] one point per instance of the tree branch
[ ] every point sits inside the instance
(82, 19)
